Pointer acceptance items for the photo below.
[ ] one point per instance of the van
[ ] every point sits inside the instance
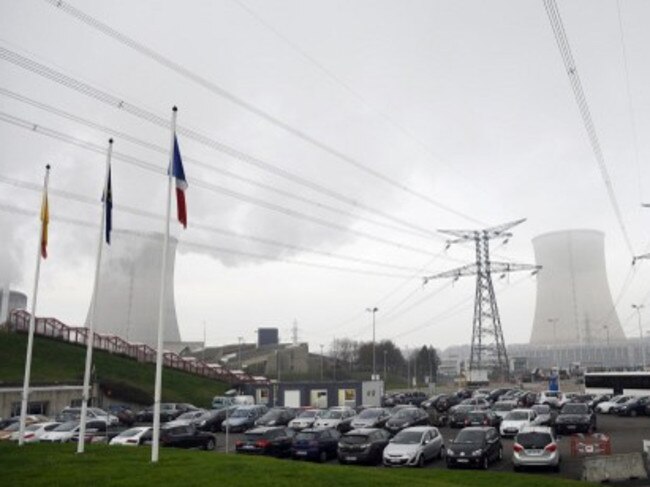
(220, 402)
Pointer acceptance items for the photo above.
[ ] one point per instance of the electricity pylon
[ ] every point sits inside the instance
(488, 347)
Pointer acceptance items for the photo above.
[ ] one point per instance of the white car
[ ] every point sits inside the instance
(33, 432)
(66, 431)
(555, 399)
(338, 418)
(305, 419)
(186, 418)
(414, 446)
(516, 420)
(73, 414)
(605, 407)
(133, 436)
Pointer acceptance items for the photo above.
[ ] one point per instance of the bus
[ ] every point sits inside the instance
(629, 383)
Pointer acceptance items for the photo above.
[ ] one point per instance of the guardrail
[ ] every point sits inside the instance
(55, 329)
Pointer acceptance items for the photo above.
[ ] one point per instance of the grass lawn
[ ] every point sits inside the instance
(56, 362)
(54, 465)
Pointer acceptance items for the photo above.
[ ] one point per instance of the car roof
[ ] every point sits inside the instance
(522, 410)
(485, 429)
(362, 431)
(265, 429)
(420, 429)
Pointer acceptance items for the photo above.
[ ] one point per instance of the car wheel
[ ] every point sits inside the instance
(500, 457)
(322, 458)
(210, 445)
(421, 460)
(485, 463)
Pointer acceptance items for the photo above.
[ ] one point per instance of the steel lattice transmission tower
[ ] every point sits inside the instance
(488, 347)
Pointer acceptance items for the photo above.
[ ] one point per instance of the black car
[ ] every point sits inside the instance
(495, 394)
(314, 444)
(598, 399)
(441, 402)
(186, 436)
(276, 417)
(364, 445)
(575, 418)
(634, 407)
(272, 440)
(458, 413)
(124, 413)
(414, 398)
(168, 412)
(404, 418)
(483, 417)
(464, 393)
(211, 420)
(475, 447)
(527, 399)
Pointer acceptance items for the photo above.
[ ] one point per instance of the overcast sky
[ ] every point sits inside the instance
(467, 102)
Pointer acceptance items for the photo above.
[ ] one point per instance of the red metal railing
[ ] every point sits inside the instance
(53, 328)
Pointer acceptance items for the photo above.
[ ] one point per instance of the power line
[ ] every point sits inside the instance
(220, 91)
(149, 116)
(574, 78)
(33, 127)
(204, 247)
(162, 150)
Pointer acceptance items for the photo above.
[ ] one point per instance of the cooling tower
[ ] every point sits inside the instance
(574, 303)
(127, 301)
(9, 301)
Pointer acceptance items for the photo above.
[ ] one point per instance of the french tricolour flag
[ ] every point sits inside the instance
(181, 184)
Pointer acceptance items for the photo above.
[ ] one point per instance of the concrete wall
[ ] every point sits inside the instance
(55, 397)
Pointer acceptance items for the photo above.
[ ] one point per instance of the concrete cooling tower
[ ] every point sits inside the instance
(574, 303)
(127, 301)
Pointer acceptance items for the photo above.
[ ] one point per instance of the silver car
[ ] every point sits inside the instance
(535, 446)
(414, 446)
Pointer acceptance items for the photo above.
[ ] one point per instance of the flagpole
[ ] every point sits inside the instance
(161, 303)
(90, 337)
(32, 320)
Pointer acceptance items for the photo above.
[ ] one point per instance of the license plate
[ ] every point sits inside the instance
(301, 453)
(534, 452)
(462, 460)
(351, 459)
(248, 447)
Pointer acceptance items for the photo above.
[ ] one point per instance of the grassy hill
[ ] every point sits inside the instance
(56, 362)
(52, 465)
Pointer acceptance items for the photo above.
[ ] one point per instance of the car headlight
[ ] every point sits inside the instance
(476, 453)
(450, 452)
(407, 424)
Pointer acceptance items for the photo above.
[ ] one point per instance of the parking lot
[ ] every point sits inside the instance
(626, 434)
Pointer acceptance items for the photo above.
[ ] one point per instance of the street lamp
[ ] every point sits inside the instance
(373, 311)
(638, 307)
(385, 353)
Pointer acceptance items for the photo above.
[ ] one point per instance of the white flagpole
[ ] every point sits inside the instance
(161, 303)
(32, 323)
(90, 337)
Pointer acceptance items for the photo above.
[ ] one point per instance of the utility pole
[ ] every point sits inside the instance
(488, 346)
(638, 308)
(408, 368)
(321, 362)
(374, 363)
(385, 375)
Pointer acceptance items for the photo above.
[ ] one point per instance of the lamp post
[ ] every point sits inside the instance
(385, 375)
(638, 308)
(373, 311)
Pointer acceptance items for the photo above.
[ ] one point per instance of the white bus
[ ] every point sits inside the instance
(629, 383)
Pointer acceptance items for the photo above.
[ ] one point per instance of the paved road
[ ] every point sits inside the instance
(627, 435)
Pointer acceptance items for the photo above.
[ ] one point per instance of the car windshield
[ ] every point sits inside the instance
(69, 426)
(542, 409)
(408, 437)
(575, 409)
(404, 414)
(13, 426)
(308, 414)
(166, 407)
(533, 440)
(468, 436)
(500, 406)
(370, 413)
(354, 439)
(307, 435)
(517, 416)
(622, 399)
(190, 415)
(241, 413)
(32, 427)
(253, 436)
(476, 416)
(332, 415)
(129, 433)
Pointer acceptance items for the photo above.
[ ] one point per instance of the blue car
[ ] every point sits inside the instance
(315, 444)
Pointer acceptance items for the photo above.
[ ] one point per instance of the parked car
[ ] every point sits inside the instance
(66, 431)
(305, 419)
(414, 447)
(598, 399)
(364, 445)
(605, 406)
(526, 399)
(220, 402)
(633, 407)
(212, 420)
(495, 394)
(545, 415)
(124, 414)
(407, 417)
(339, 419)
(535, 446)
(276, 417)
(415, 398)
(314, 444)
(443, 402)
(34, 431)
(133, 436)
(482, 417)
(457, 415)
(475, 447)
(73, 414)
(243, 418)
(168, 412)
(370, 418)
(267, 440)
(555, 399)
(186, 436)
(582, 398)
(476, 403)
(187, 418)
(502, 408)
(575, 418)
(515, 420)
(464, 393)
(14, 426)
